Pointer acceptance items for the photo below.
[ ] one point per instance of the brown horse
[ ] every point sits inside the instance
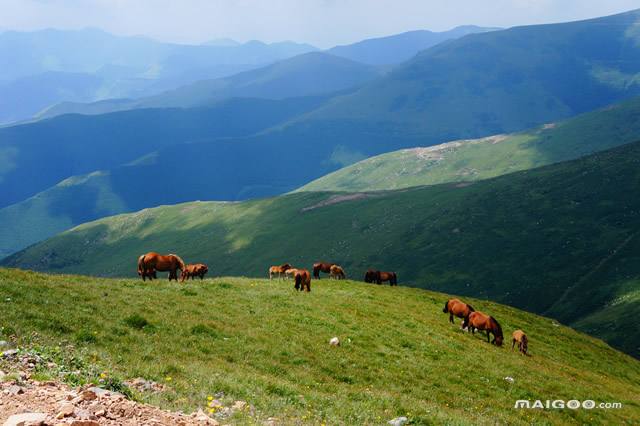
(455, 307)
(481, 321)
(387, 276)
(371, 276)
(522, 340)
(336, 272)
(303, 280)
(192, 271)
(378, 277)
(278, 270)
(157, 262)
(144, 272)
(321, 267)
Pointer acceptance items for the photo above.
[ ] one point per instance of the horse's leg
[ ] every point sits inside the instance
(451, 317)
(513, 343)
(488, 337)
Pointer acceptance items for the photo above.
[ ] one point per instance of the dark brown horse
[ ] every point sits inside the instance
(455, 307)
(321, 267)
(378, 277)
(157, 262)
(481, 321)
(302, 280)
(371, 276)
(522, 340)
(192, 271)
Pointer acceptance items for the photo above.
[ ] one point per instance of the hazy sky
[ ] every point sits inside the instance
(321, 22)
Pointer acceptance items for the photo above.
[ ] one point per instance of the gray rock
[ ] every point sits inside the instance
(14, 390)
(26, 418)
(9, 353)
(3, 343)
(398, 421)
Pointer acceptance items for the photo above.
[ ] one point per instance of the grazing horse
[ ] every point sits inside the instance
(290, 273)
(378, 277)
(321, 267)
(336, 272)
(387, 276)
(481, 321)
(371, 276)
(144, 272)
(522, 340)
(157, 262)
(192, 271)
(303, 280)
(278, 270)
(455, 307)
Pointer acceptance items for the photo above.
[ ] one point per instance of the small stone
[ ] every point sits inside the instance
(509, 379)
(65, 411)
(334, 341)
(15, 390)
(398, 421)
(88, 395)
(85, 423)
(100, 413)
(26, 419)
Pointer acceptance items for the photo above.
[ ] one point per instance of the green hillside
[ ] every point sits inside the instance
(538, 239)
(260, 342)
(502, 81)
(470, 160)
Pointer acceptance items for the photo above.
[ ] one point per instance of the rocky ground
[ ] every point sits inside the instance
(28, 402)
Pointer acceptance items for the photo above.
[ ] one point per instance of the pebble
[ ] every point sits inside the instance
(398, 421)
(334, 341)
(26, 419)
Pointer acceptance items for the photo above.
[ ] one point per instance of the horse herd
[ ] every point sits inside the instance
(150, 263)
(473, 320)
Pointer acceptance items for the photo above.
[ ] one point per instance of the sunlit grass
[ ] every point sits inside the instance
(264, 343)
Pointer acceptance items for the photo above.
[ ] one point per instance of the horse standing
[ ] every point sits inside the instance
(278, 270)
(144, 272)
(371, 276)
(455, 307)
(481, 321)
(290, 273)
(336, 272)
(522, 340)
(157, 262)
(302, 280)
(321, 267)
(378, 277)
(192, 271)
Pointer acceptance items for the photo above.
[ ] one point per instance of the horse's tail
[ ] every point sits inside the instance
(141, 265)
(446, 307)
(298, 281)
(498, 327)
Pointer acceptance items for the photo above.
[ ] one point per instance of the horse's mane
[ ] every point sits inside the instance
(180, 261)
(473, 310)
(497, 325)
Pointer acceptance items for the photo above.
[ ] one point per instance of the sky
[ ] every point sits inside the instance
(323, 23)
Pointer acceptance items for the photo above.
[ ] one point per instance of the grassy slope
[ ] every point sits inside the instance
(263, 343)
(537, 240)
(489, 157)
